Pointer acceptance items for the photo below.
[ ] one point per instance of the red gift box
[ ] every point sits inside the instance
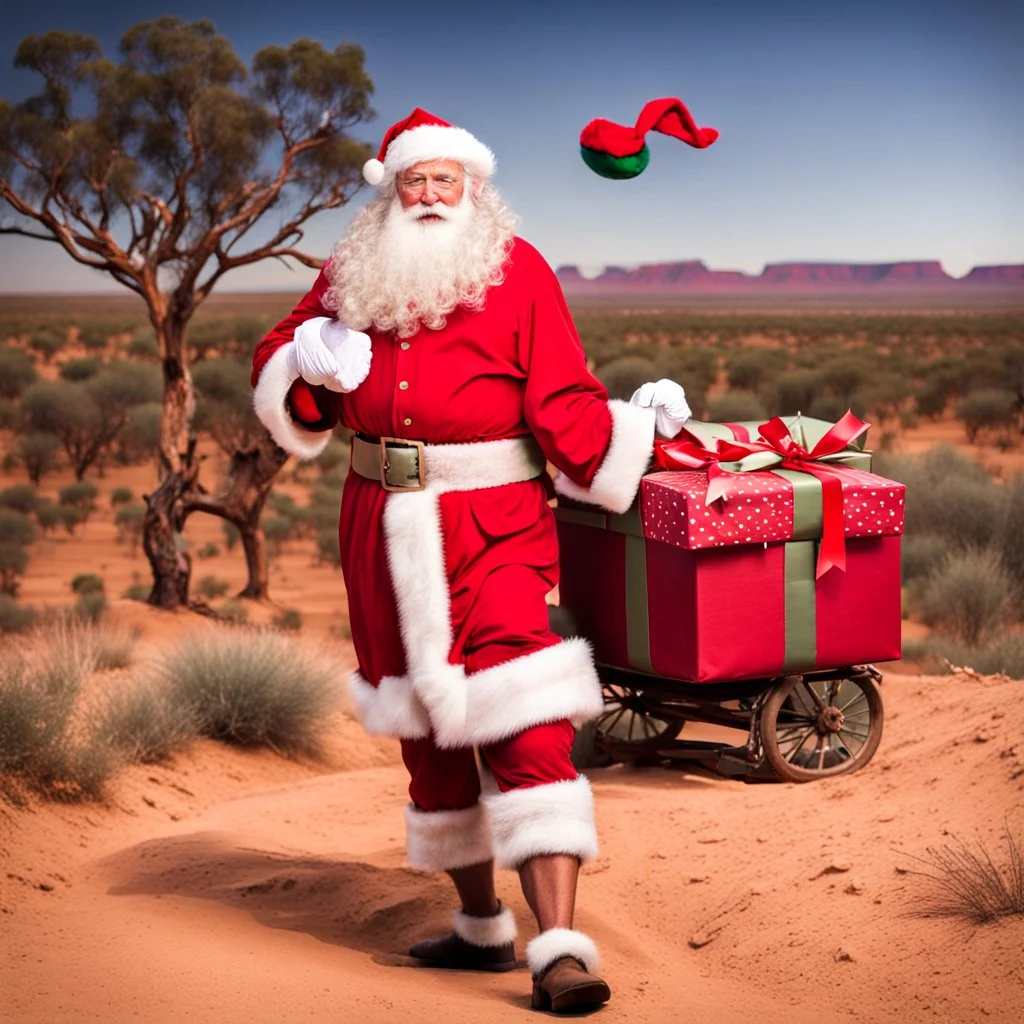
(728, 589)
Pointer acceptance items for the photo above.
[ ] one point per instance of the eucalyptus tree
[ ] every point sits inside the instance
(167, 167)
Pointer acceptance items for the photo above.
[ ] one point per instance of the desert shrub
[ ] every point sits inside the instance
(208, 550)
(793, 392)
(17, 372)
(143, 345)
(48, 515)
(87, 583)
(129, 520)
(81, 494)
(10, 414)
(623, 376)
(39, 453)
(234, 612)
(333, 457)
(827, 407)
(211, 586)
(289, 620)
(994, 655)
(21, 497)
(328, 550)
(139, 439)
(136, 592)
(16, 528)
(13, 562)
(121, 496)
(277, 530)
(224, 403)
(48, 341)
(90, 607)
(94, 335)
(736, 406)
(81, 369)
(748, 369)
(921, 554)
(968, 595)
(231, 535)
(14, 617)
(1011, 535)
(988, 409)
(844, 374)
(143, 724)
(71, 517)
(252, 688)
(113, 646)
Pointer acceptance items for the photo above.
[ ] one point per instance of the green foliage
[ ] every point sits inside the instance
(17, 372)
(252, 689)
(736, 405)
(48, 341)
(90, 607)
(233, 611)
(13, 562)
(16, 527)
(794, 392)
(143, 346)
(998, 653)
(81, 495)
(139, 439)
(208, 550)
(224, 403)
(87, 583)
(143, 725)
(129, 520)
(10, 414)
(136, 592)
(989, 409)
(921, 553)
(95, 335)
(747, 369)
(21, 497)
(212, 587)
(333, 457)
(121, 496)
(71, 517)
(81, 369)
(328, 551)
(1010, 538)
(968, 596)
(39, 453)
(623, 376)
(14, 617)
(288, 620)
(231, 535)
(49, 515)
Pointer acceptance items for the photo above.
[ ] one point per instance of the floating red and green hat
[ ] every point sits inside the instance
(616, 151)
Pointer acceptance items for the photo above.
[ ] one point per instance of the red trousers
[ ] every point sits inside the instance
(447, 780)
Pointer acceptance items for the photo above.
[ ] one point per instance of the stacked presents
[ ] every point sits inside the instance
(752, 550)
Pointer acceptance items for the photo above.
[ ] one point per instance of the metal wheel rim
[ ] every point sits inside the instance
(627, 727)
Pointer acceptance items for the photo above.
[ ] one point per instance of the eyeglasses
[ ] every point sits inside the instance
(443, 183)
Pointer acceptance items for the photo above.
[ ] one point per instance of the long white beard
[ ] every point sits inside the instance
(395, 272)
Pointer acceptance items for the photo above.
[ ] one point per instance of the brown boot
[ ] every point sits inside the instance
(474, 944)
(563, 963)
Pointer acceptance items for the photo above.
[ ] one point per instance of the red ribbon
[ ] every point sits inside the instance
(775, 437)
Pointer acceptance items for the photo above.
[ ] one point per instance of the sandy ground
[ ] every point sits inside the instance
(235, 886)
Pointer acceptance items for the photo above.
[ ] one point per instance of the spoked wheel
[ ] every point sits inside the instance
(813, 728)
(628, 729)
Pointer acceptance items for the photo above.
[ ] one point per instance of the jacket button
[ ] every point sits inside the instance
(407, 421)
(403, 385)
(405, 346)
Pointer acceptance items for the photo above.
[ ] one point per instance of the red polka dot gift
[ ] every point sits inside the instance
(753, 550)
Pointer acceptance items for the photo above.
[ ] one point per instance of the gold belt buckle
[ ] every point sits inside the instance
(396, 472)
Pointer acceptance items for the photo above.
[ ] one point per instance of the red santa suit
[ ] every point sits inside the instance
(446, 585)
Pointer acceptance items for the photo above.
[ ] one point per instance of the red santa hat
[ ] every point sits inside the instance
(422, 136)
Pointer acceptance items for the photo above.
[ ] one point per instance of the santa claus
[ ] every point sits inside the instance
(469, 378)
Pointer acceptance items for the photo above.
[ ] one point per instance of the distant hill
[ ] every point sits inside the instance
(694, 277)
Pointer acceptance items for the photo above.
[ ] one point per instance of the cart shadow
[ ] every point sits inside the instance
(350, 903)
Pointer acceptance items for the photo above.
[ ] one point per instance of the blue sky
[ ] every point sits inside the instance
(866, 132)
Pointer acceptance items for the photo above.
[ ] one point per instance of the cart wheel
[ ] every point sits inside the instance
(813, 728)
(628, 729)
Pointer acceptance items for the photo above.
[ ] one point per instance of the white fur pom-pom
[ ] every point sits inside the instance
(373, 172)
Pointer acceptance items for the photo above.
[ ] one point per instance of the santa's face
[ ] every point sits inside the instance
(431, 183)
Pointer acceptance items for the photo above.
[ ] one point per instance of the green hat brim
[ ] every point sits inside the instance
(609, 166)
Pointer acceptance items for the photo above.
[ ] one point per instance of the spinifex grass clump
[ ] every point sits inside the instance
(251, 688)
(964, 881)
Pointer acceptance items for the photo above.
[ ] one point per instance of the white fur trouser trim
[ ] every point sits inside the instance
(270, 402)
(498, 930)
(618, 477)
(556, 817)
(444, 840)
(547, 947)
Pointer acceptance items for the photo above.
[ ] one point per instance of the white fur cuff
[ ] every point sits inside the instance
(557, 817)
(629, 452)
(443, 840)
(270, 401)
(498, 930)
(389, 709)
(547, 947)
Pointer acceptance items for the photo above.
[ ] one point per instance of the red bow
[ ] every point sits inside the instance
(786, 453)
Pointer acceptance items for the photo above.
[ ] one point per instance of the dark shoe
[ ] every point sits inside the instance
(565, 986)
(475, 944)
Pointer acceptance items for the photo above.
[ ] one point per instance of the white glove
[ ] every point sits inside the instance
(325, 352)
(351, 351)
(668, 400)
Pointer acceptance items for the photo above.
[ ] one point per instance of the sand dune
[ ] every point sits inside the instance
(236, 886)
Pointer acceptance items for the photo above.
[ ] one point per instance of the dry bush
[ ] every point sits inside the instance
(143, 724)
(623, 376)
(992, 409)
(736, 406)
(965, 882)
(969, 595)
(113, 646)
(996, 655)
(251, 688)
(1011, 535)
(14, 617)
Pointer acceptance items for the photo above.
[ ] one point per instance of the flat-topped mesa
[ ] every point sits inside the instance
(855, 273)
(997, 274)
